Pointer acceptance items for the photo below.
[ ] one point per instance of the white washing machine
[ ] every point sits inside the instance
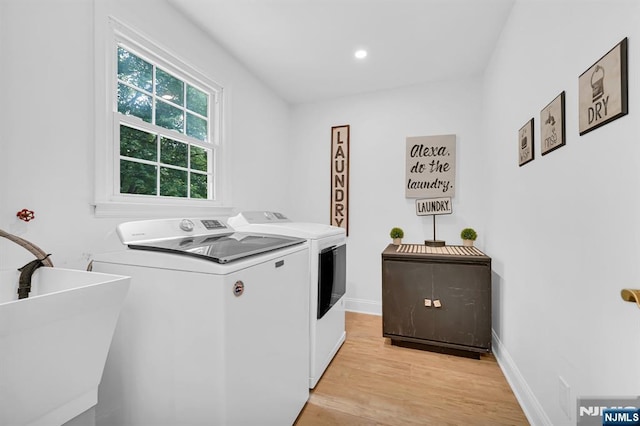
(327, 280)
(214, 330)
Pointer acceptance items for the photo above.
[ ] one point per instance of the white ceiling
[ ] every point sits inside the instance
(303, 49)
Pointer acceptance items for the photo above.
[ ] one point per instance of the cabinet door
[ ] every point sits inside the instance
(462, 291)
(405, 286)
(464, 317)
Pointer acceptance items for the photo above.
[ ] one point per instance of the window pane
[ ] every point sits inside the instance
(196, 127)
(134, 70)
(138, 144)
(199, 158)
(169, 88)
(169, 117)
(173, 152)
(133, 102)
(198, 185)
(173, 183)
(137, 178)
(156, 161)
(197, 100)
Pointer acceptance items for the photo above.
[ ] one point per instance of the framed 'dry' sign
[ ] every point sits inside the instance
(340, 177)
(603, 90)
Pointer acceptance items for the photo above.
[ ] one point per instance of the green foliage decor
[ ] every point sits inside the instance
(396, 233)
(468, 234)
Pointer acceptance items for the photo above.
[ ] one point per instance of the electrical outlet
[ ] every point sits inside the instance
(564, 396)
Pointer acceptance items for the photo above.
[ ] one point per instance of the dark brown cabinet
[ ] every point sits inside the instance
(437, 296)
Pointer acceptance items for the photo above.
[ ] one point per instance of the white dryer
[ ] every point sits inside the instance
(327, 266)
(214, 330)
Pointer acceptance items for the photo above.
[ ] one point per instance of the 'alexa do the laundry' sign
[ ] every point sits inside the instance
(430, 166)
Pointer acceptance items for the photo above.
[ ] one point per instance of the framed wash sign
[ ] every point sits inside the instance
(340, 177)
(603, 90)
(430, 166)
(552, 128)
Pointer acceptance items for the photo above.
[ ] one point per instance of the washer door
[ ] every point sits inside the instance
(221, 249)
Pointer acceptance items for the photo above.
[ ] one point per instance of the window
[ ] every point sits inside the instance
(163, 128)
(164, 131)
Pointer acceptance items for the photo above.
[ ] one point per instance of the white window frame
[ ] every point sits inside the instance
(108, 200)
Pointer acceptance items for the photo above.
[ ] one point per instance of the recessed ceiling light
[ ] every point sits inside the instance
(360, 54)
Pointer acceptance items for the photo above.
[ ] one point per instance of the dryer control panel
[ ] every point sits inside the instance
(250, 217)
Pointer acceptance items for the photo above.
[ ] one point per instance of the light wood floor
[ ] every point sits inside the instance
(371, 382)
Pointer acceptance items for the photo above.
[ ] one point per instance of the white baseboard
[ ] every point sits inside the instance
(528, 401)
(363, 306)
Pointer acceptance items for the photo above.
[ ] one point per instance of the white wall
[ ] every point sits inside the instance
(4, 177)
(563, 230)
(47, 127)
(380, 123)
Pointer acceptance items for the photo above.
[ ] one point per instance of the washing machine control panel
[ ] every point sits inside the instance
(158, 229)
(213, 224)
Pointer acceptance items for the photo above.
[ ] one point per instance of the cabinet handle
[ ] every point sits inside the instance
(427, 302)
(629, 295)
(437, 303)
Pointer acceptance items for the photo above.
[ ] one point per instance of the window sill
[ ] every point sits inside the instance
(139, 210)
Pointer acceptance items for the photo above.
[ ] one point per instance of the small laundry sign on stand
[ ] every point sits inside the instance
(434, 207)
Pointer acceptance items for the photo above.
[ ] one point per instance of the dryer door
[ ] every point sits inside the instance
(332, 277)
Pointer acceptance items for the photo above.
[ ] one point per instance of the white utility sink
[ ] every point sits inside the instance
(53, 345)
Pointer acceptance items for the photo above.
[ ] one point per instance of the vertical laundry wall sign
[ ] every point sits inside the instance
(340, 177)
